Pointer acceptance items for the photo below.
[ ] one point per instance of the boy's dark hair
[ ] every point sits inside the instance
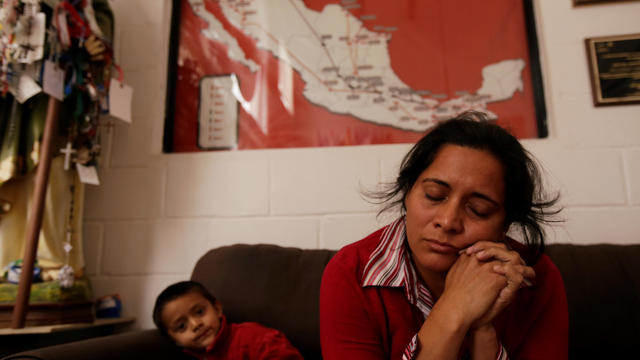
(173, 292)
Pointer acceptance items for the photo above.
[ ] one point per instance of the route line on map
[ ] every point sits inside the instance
(313, 30)
(322, 44)
(351, 42)
(354, 62)
(318, 77)
(405, 110)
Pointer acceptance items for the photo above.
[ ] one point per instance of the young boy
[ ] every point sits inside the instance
(188, 314)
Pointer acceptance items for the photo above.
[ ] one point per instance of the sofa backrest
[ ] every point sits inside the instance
(275, 286)
(602, 283)
(279, 287)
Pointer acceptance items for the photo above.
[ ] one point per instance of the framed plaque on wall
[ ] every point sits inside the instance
(614, 66)
(591, 2)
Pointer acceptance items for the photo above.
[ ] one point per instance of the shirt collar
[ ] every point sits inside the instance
(390, 265)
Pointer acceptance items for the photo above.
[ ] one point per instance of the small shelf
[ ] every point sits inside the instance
(122, 321)
(34, 337)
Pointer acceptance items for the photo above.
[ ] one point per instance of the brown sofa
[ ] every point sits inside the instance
(279, 287)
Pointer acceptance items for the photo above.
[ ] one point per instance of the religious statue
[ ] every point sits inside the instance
(39, 40)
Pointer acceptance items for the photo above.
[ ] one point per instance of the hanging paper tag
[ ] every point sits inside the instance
(30, 42)
(88, 174)
(27, 87)
(120, 96)
(63, 29)
(36, 39)
(53, 80)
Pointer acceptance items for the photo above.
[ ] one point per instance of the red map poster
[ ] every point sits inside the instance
(299, 73)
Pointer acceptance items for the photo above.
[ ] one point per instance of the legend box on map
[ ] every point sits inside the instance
(217, 113)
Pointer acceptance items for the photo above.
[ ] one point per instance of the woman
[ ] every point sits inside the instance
(444, 281)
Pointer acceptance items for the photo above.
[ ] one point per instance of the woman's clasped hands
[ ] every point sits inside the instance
(484, 280)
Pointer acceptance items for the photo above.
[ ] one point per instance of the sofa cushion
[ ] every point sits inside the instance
(603, 291)
(275, 286)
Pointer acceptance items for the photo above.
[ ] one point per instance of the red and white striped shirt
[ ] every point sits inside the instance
(390, 266)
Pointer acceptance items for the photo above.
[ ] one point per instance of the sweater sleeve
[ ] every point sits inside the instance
(346, 330)
(548, 338)
(275, 346)
(411, 350)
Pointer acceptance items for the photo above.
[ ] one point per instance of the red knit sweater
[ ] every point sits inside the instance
(378, 322)
(248, 340)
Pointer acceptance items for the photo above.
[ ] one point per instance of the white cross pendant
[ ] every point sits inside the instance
(67, 151)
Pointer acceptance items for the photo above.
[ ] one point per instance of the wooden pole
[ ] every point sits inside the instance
(37, 208)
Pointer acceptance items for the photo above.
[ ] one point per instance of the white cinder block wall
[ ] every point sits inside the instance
(155, 213)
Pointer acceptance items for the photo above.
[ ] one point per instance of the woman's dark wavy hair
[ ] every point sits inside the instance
(526, 203)
(173, 292)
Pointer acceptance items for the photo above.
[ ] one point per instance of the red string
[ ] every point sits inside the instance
(77, 26)
(120, 73)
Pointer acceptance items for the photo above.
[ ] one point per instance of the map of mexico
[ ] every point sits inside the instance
(345, 64)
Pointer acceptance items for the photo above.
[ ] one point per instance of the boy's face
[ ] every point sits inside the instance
(192, 321)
